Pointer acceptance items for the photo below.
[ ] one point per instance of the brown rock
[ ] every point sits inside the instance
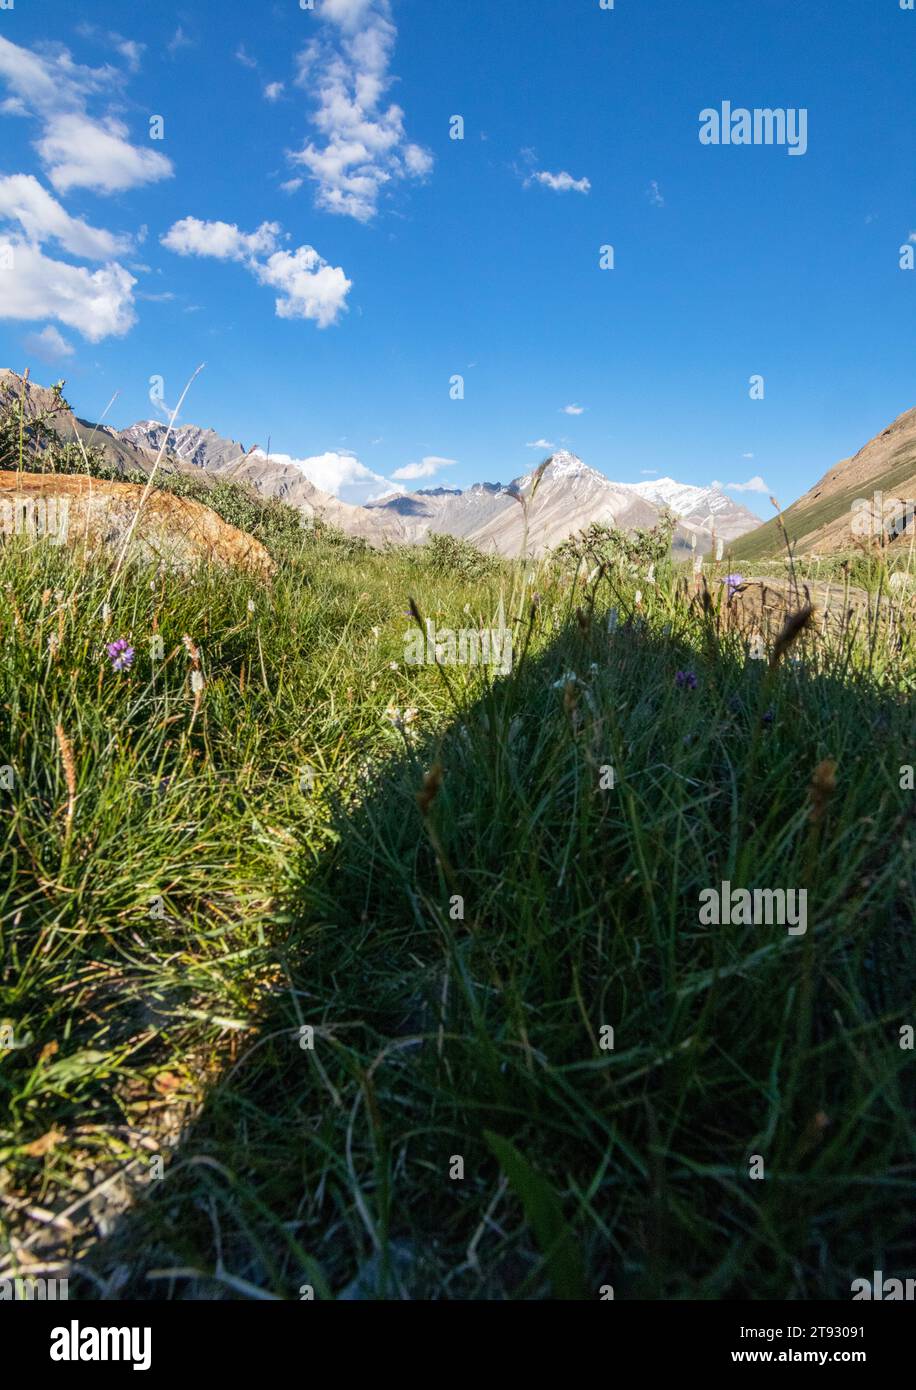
(77, 510)
(761, 605)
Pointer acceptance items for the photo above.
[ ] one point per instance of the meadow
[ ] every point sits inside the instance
(324, 972)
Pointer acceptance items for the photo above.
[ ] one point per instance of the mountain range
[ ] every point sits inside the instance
(503, 518)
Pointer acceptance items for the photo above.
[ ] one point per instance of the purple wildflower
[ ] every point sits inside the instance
(120, 654)
(767, 718)
(734, 581)
(686, 680)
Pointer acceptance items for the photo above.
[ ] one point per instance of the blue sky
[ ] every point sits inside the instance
(365, 258)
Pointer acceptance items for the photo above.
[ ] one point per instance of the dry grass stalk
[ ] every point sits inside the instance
(66, 756)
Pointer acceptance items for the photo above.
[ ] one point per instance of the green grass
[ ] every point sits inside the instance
(327, 900)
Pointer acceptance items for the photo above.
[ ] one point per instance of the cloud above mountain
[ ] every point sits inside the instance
(338, 472)
(81, 142)
(361, 144)
(49, 345)
(309, 287)
(76, 149)
(98, 304)
(755, 484)
(427, 468)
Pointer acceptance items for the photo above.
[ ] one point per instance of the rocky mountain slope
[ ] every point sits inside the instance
(569, 496)
(851, 502)
(505, 519)
(199, 448)
(706, 508)
(118, 448)
(203, 452)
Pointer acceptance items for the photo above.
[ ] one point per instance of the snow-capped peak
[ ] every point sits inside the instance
(564, 464)
(561, 464)
(682, 498)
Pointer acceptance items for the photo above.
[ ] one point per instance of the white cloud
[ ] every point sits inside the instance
(222, 240)
(755, 484)
(747, 456)
(426, 469)
(273, 92)
(49, 345)
(654, 194)
(244, 57)
(98, 304)
(310, 287)
(179, 40)
(648, 472)
(291, 186)
(130, 50)
(81, 153)
(76, 150)
(340, 474)
(573, 409)
(418, 161)
(540, 444)
(560, 183)
(362, 145)
(716, 483)
(42, 218)
(347, 13)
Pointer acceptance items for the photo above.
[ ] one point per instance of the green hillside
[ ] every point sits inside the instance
(805, 519)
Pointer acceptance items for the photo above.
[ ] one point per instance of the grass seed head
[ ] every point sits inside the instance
(792, 629)
(432, 783)
(823, 786)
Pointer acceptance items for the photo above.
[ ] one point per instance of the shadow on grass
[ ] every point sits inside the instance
(456, 1124)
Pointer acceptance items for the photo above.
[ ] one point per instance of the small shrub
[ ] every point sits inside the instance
(454, 556)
